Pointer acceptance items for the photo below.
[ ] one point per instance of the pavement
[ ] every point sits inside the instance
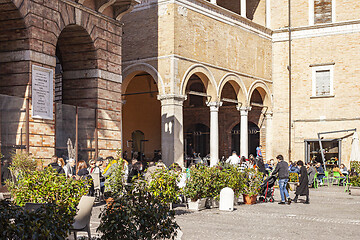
(331, 214)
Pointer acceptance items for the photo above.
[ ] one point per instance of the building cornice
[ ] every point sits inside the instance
(213, 11)
(319, 30)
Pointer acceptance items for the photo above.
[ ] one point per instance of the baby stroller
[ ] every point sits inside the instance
(267, 189)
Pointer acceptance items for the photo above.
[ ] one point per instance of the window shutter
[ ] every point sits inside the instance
(322, 82)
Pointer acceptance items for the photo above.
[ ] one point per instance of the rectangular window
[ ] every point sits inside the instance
(322, 81)
(321, 11)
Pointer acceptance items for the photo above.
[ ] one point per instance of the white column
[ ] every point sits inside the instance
(269, 135)
(172, 135)
(214, 132)
(268, 13)
(244, 132)
(243, 8)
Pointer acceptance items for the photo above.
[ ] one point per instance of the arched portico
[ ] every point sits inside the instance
(141, 112)
(260, 99)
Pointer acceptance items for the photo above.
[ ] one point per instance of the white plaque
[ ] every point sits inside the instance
(42, 92)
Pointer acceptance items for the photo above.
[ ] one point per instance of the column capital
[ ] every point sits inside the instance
(244, 110)
(171, 99)
(214, 106)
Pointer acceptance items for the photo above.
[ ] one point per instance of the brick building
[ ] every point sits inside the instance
(179, 76)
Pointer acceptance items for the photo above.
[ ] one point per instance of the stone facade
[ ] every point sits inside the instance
(85, 36)
(236, 52)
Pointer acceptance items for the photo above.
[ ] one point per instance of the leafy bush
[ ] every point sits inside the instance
(355, 181)
(252, 182)
(137, 214)
(356, 165)
(164, 185)
(197, 185)
(235, 179)
(293, 177)
(48, 222)
(48, 187)
(22, 162)
(115, 182)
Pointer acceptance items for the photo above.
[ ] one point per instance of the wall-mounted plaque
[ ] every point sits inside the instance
(42, 92)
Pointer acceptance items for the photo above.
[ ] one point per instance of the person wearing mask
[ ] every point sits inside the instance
(70, 168)
(81, 172)
(303, 188)
(233, 159)
(282, 169)
(54, 164)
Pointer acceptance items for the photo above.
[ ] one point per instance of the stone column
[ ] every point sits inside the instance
(172, 136)
(214, 132)
(268, 13)
(244, 131)
(269, 139)
(243, 8)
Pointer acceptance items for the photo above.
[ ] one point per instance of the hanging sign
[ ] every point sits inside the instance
(42, 92)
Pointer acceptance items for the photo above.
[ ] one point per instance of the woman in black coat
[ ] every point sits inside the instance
(303, 188)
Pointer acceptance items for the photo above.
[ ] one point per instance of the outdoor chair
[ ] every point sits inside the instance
(97, 187)
(316, 184)
(82, 218)
(326, 178)
(336, 177)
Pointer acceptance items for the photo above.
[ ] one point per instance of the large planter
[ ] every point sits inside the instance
(354, 191)
(198, 205)
(249, 200)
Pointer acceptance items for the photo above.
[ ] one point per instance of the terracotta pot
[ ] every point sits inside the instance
(249, 200)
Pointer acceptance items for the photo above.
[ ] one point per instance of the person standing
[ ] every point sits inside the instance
(282, 168)
(303, 188)
(54, 164)
(70, 168)
(258, 151)
(233, 159)
(311, 171)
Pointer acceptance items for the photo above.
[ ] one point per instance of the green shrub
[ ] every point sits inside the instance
(164, 185)
(293, 177)
(252, 182)
(48, 222)
(356, 165)
(355, 181)
(115, 182)
(47, 187)
(137, 214)
(197, 185)
(22, 162)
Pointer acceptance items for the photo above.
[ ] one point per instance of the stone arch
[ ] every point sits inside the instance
(206, 77)
(14, 42)
(264, 91)
(237, 84)
(131, 71)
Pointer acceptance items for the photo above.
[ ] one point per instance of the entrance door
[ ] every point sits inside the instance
(254, 138)
(138, 138)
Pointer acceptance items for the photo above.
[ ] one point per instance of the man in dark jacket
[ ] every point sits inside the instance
(54, 164)
(282, 168)
(303, 188)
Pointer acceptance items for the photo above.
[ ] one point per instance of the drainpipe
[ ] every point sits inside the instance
(289, 69)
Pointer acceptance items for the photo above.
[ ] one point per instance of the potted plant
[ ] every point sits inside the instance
(164, 185)
(293, 180)
(196, 188)
(251, 185)
(355, 186)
